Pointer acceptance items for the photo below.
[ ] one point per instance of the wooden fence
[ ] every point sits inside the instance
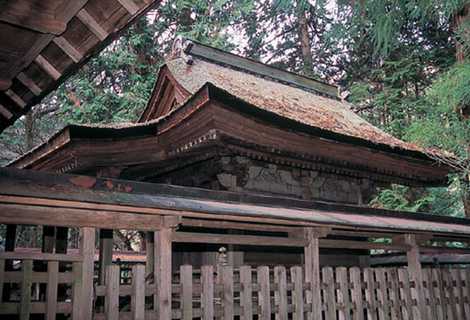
(245, 293)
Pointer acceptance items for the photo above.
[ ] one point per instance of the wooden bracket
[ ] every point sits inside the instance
(172, 222)
(316, 232)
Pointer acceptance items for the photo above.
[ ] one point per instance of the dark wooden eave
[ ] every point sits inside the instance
(43, 42)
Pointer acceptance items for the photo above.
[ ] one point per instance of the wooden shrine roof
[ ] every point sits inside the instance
(26, 190)
(42, 42)
(307, 101)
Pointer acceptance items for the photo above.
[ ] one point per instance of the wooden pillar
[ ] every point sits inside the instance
(416, 274)
(105, 253)
(87, 250)
(150, 251)
(163, 273)
(312, 271)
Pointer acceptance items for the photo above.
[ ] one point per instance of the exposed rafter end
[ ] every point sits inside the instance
(5, 84)
(5, 112)
(29, 83)
(130, 6)
(47, 67)
(16, 98)
(68, 48)
(92, 24)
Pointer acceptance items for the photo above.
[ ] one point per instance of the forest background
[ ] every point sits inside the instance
(403, 64)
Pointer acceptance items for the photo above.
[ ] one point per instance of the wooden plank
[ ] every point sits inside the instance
(76, 290)
(280, 295)
(460, 290)
(356, 293)
(433, 303)
(438, 277)
(92, 24)
(186, 279)
(456, 287)
(405, 292)
(163, 273)
(193, 237)
(344, 302)
(68, 48)
(29, 83)
(150, 253)
(228, 296)
(370, 294)
(105, 253)
(312, 274)
(330, 295)
(111, 304)
(52, 285)
(40, 256)
(465, 277)
(383, 306)
(25, 296)
(264, 296)
(246, 292)
(130, 6)
(138, 292)
(16, 98)
(415, 272)
(394, 295)
(87, 250)
(71, 217)
(48, 67)
(452, 312)
(297, 293)
(207, 295)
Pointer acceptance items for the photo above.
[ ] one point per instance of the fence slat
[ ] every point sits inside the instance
(371, 297)
(405, 293)
(383, 306)
(138, 292)
(76, 289)
(52, 283)
(280, 295)
(297, 293)
(449, 288)
(466, 279)
(343, 294)
(433, 303)
(330, 296)
(207, 295)
(392, 278)
(227, 281)
(264, 296)
(459, 292)
(246, 292)
(186, 279)
(112, 292)
(356, 293)
(25, 302)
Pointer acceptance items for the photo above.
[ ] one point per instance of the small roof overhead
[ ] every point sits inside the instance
(43, 42)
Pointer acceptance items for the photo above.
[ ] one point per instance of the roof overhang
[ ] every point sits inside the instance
(43, 42)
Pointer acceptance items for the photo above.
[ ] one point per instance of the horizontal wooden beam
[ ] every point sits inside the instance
(73, 217)
(40, 256)
(68, 48)
(211, 238)
(130, 6)
(199, 223)
(25, 15)
(92, 24)
(362, 245)
(47, 67)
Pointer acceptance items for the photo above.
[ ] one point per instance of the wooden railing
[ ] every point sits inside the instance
(30, 285)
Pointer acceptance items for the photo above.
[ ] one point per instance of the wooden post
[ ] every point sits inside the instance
(416, 274)
(10, 243)
(87, 250)
(312, 271)
(162, 273)
(25, 299)
(138, 292)
(105, 253)
(150, 251)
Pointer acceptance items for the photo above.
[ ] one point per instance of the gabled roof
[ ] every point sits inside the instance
(305, 100)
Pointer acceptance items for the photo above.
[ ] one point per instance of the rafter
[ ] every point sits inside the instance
(5, 112)
(25, 15)
(5, 84)
(68, 48)
(130, 6)
(46, 66)
(16, 98)
(92, 24)
(29, 83)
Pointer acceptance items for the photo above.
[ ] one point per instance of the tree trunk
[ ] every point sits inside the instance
(460, 25)
(304, 40)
